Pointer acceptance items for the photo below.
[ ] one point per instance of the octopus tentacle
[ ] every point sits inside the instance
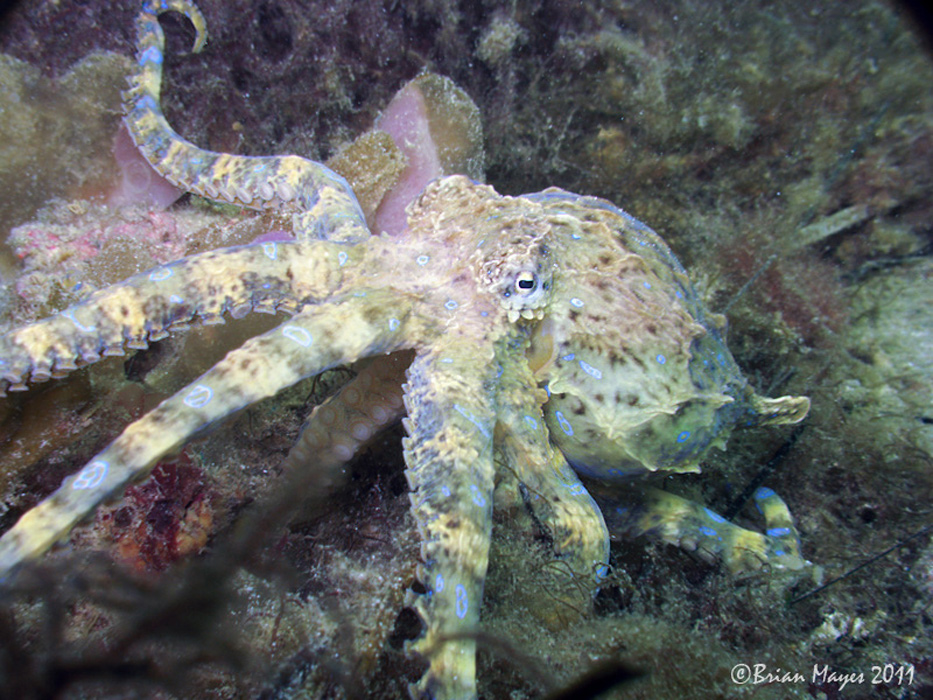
(550, 486)
(339, 427)
(449, 454)
(146, 306)
(316, 339)
(324, 206)
(677, 521)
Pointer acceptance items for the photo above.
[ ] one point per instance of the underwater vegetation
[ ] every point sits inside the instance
(784, 154)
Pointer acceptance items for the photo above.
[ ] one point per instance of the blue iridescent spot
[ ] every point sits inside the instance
(151, 55)
(568, 357)
(270, 249)
(576, 302)
(647, 285)
(532, 423)
(393, 324)
(91, 476)
(297, 334)
(763, 493)
(575, 236)
(439, 584)
(450, 305)
(778, 531)
(446, 491)
(661, 359)
(714, 516)
(463, 604)
(684, 436)
(160, 273)
(722, 360)
(422, 259)
(70, 315)
(679, 294)
(478, 498)
(591, 370)
(576, 490)
(563, 423)
(342, 258)
(199, 396)
(621, 511)
(708, 531)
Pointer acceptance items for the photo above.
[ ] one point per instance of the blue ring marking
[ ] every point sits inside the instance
(576, 302)
(70, 315)
(199, 396)
(708, 531)
(484, 314)
(616, 472)
(678, 294)
(175, 299)
(450, 305)
(647, 285)
(259, 167)
(575, 236)
(714, 516)
(91, 476)
(780, 553)
(576, 490)
(151, 55)
(778, 531)
(763, 493)
(463, 603)
(297, 334)
(722, 360)
(564, 424)
(446, 491)
(568, 357)
(393, 324)
(160, 273)
(439, 584)
(146, 102)
(590, 370)
(532, 423)
(270, 250)
(422, 260)
(342, 258)
(684, 436)
(661, 359)
(477, 496)
(466, 413)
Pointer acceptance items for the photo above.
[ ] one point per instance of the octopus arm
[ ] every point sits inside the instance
(325, 206)
(675, 520)
(550, 487)
(314, 340)
(449, 458)
(145, 307)
(338, 428)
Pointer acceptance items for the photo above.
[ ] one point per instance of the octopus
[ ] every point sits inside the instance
(549, 338)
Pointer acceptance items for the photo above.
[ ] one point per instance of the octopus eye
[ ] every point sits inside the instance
(526, 283)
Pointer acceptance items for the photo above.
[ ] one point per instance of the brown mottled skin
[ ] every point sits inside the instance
(550, 335)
